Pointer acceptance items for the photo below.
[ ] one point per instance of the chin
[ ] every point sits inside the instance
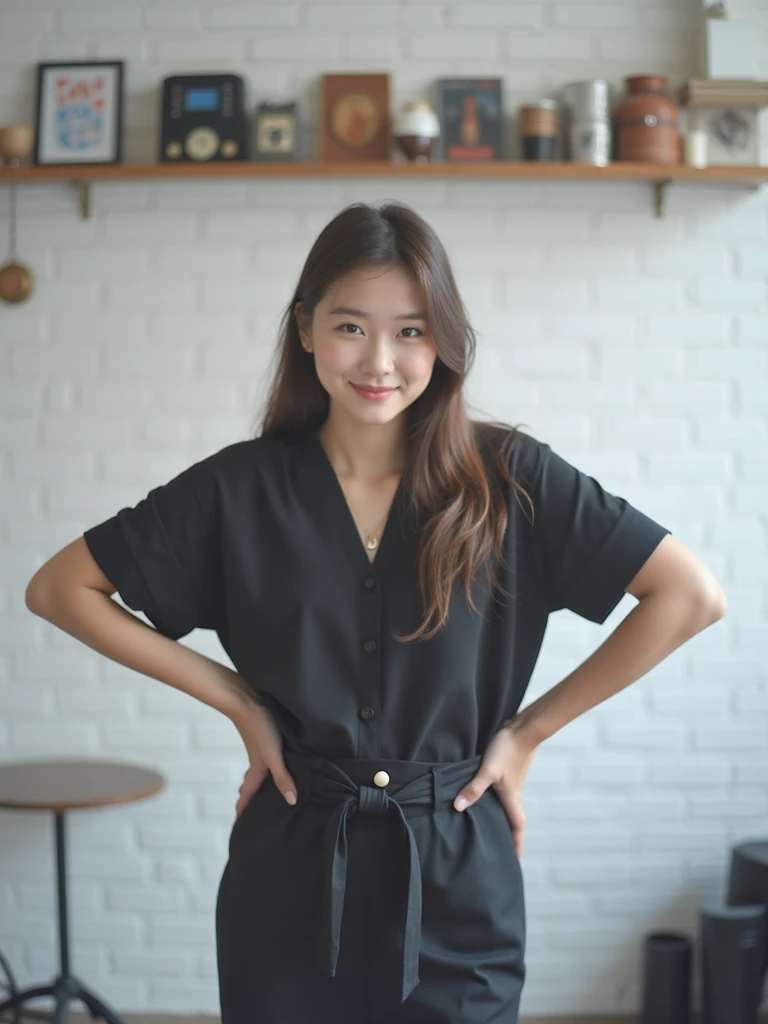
(367, 412)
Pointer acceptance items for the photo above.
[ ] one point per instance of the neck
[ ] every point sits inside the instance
(367, 452)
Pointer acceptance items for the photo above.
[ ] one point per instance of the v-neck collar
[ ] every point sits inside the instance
(339, 516)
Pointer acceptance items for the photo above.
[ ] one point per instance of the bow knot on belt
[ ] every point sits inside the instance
(371, 798)
(419, 785)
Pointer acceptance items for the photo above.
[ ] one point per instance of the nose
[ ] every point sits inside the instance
(378, 361)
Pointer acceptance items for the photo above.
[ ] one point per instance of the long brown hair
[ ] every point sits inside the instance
(446, 476)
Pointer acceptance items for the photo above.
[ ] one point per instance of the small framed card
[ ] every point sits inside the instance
(354, 117)
(79, 116)
(276, 131)
(732, 134)
(470, 115)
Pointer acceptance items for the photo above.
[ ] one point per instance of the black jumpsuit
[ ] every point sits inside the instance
(372, 901)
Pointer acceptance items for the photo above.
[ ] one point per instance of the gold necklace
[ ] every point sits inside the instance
(371, 540)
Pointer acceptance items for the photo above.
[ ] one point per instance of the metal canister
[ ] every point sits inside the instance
(590, 142)
(587, 121)
(589, 100)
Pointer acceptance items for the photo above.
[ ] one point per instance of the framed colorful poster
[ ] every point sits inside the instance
(470, 115)
(79, 116)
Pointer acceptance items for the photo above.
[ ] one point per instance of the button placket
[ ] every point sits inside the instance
(369, 739)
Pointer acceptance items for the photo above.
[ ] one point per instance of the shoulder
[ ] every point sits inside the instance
(241, 458)
(222, 479)
(522, 454)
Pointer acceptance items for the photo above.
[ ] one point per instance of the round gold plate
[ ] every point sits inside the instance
(16, 282)
(355, 119)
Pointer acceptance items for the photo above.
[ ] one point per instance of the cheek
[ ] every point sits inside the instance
(418, 364)
(335, 357)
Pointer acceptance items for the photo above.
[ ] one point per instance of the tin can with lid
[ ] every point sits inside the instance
(590, 142)
(589, 100)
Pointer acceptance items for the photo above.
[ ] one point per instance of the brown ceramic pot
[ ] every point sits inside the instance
(646, 122)
(15, 143)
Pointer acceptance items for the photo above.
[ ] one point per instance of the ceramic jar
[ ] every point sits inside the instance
(415, 131)
(646, 122)
(15, 143)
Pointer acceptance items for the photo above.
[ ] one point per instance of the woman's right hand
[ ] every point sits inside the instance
(264, 744)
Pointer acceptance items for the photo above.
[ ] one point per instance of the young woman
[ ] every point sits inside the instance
(379, 569)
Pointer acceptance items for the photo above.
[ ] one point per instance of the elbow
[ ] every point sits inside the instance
(698, 608)
(711, 604)
(33, 596)
(718, 605)
(709, 600)
(37, 596)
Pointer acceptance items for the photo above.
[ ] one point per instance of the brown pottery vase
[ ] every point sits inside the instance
(646, 122)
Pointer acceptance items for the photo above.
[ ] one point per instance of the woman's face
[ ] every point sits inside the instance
(371, 329)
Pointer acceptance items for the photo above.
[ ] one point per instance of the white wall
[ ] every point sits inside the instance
(636, 347)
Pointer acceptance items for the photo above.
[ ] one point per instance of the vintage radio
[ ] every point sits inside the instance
(203, 118)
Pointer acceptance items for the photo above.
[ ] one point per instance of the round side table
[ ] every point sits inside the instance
(61, 786)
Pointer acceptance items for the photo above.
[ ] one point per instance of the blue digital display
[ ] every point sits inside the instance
(201, 99)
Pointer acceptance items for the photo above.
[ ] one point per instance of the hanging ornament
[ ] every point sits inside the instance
(16, 279)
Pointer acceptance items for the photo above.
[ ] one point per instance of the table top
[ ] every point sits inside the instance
(63, 785)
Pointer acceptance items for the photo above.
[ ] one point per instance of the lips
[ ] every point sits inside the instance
(366, 387)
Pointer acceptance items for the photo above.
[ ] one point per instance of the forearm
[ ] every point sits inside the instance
(658, 625)
(92, 617)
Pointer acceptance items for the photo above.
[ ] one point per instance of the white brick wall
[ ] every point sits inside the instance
(637, 347)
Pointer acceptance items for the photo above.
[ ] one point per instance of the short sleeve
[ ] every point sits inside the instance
(162, 554)
(591, 543)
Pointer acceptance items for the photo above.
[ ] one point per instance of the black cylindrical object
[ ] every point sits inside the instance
(733, 941)
(539, 147)
(667, 962)
(539, 130)
(748, 877)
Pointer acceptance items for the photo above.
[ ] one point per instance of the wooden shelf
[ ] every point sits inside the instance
(658, 175)
(297, 168)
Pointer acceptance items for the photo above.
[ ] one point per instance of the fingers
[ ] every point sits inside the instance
(284, 781)
(473, 790)
(273, 764)
(516, 817)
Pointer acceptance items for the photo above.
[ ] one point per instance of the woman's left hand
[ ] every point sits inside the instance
(505, 765)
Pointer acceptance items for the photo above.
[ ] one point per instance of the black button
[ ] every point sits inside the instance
(367, 713)
(370, 646)
(369, 582)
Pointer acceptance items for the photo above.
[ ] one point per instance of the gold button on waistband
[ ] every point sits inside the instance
(381, 779)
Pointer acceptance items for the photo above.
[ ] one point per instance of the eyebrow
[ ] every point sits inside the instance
(351, 311)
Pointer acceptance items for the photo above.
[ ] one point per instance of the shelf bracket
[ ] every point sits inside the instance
(660, 195)
(84, 193)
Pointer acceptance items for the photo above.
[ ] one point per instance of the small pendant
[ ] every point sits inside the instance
(371, 544)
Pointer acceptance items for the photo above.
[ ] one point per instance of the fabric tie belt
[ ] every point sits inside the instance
(384, 786)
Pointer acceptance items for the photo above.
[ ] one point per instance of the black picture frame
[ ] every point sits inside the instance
(98, 145)
(485, 95)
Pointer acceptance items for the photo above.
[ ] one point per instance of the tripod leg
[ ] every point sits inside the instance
(61, 1013)
(97, 1007)
(21, 997)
